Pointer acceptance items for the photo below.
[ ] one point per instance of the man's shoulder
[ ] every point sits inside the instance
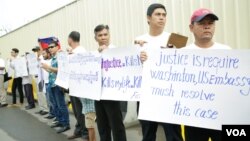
(146, 36)
(142, 37)
(221, 46)
(191, 46)
(111, 46)
(79, 49)
(215, 46)
(166, 33)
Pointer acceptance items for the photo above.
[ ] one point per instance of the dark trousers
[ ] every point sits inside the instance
(149, 129)
(124, 105)
(28, 90)
(17, 84)
(80, 128)
(201, 134)
(109, 117)
(62, 113)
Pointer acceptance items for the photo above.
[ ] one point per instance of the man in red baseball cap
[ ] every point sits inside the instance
(201, 13)
(202, 25)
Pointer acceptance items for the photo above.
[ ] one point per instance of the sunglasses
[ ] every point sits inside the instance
(50, 47)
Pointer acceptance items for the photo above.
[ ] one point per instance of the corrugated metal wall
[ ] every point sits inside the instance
(127, 19)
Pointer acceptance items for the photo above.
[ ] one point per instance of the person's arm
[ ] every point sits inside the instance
(143, 54)
(49, 68)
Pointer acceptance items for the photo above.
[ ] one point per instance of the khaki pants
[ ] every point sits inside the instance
(41, 97)
(2, 90)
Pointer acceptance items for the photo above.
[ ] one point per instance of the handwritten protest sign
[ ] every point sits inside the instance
(20, 66)
(203, 88)
(121, 74)
(85, 75)
(62, 78)
(32, 64)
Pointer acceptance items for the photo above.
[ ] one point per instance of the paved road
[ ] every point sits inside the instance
(17, 124)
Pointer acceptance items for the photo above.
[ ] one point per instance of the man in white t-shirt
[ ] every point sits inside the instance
(2, 89)
(108, 112)
(156, 18)
(202, 25)
(80, 128)
(17, 81)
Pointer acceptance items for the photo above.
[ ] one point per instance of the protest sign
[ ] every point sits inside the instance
(203, 88)
(20, 66)
(121, 74)
(85, 75)
(62, 78)
(32, 64)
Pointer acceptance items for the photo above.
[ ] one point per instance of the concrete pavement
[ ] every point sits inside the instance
(18, 124)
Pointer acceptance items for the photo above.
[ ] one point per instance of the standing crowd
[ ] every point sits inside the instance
(107, 114)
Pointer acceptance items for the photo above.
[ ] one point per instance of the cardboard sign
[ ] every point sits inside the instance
(177, 40)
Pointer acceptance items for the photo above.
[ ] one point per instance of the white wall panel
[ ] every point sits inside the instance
(127, 19)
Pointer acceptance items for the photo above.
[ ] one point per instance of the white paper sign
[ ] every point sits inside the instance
(121, 74)
(62, 78)
(20, 66)
(203, 88)
(32, 64)
(85, 75)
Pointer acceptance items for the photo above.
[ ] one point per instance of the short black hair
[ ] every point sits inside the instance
(100, 27)
(36, 48)
(75, 36)
(15, 50)
(154, 6)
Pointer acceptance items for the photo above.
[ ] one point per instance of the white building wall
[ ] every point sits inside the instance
(127, 19)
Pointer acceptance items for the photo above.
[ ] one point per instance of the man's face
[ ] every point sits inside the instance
(13, 53)
(70, 42)
(103, 37)
(39, 52)
(53, 48)
(204, 29)
(45, 54)
(158, 18)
